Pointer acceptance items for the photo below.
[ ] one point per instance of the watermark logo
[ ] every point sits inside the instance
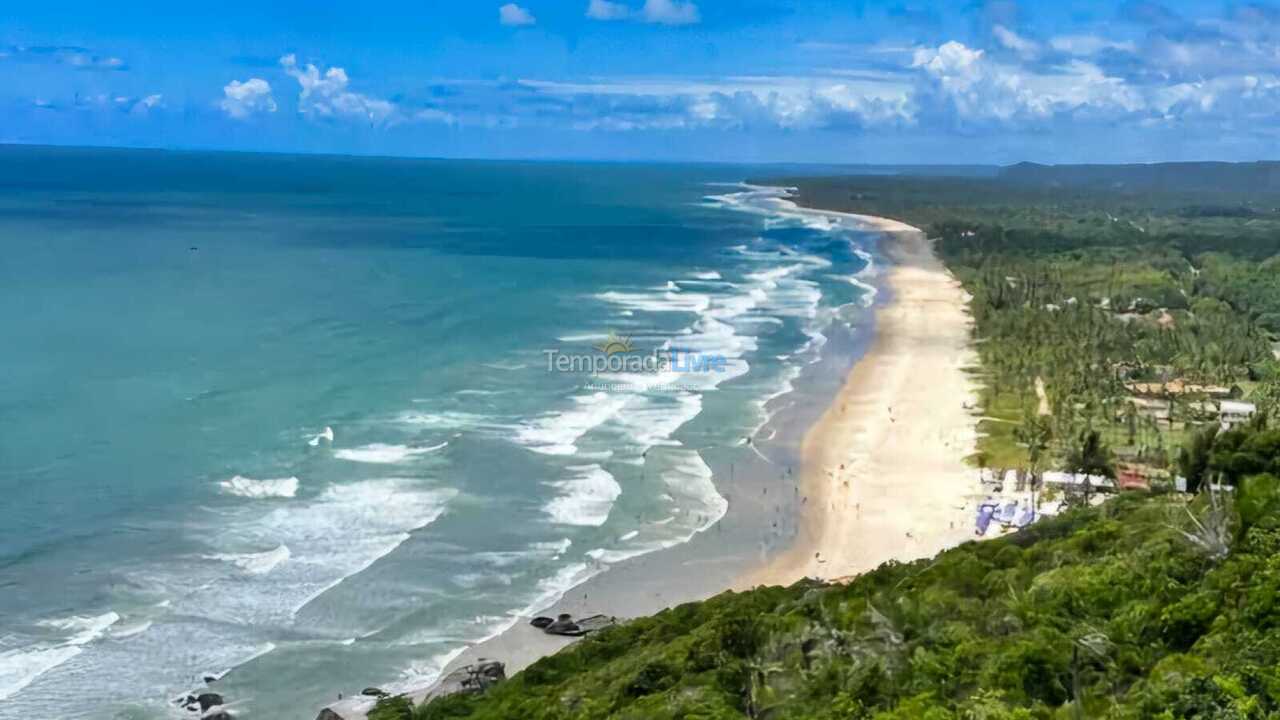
(615, 344)
(618, 354)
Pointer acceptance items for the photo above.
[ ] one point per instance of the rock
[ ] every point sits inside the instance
(541, 622)
(489, 673)
(208, 700)
(595, 622)
(220, 715)
(210, 679)
(563, 625)
(475, 678)
(327, 714)
(374, 692)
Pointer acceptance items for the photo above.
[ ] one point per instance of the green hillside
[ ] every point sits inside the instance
(1144, 607)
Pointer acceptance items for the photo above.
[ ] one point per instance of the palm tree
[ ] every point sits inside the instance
(1089, 456)
(1035, 434)
(1131, 421)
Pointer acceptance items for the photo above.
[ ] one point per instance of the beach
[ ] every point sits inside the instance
(884, 469)
(881, 472)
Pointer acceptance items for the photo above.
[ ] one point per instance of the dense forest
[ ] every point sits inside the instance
(1148, 606)
(1092, 279)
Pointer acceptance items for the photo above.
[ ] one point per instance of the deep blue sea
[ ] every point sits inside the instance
(293, 417)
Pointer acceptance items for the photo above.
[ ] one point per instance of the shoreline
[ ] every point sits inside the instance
(826, 518)
(884, 469)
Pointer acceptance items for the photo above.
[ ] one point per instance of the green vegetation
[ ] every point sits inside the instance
(392, 708)
(1090, 282)
(1149, 606)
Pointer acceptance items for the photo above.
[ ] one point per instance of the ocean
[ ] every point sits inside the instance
(307, 424)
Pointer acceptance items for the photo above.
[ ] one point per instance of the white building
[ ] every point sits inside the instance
(1234, 413)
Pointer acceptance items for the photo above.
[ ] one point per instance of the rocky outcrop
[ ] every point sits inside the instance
(208, 700)
(564, 624)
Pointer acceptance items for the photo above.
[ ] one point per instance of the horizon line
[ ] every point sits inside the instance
(5, 145)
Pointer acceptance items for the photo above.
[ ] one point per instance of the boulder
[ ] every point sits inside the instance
(564, 625)
(475, 678)
(208, 700)
(488, 673)
(327, 714)
(219, 715)
(541, 622)
(374, 692)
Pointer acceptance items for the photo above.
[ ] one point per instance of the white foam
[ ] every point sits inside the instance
(708, 275)
(256, 563)
(20, 667)
(689, 479)
(869, 293)
(326, 435)
(664, 301)
(452, 420)
(557, 433)
(509, 367)
(317, 544)
(380, 453)
(83, 628)
(536, 551)
(586, 498)
(583, 338)
(130, 630)
(557, 547)
(551, 589)
(250, 488)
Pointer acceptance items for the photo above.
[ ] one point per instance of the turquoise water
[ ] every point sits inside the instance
(293, 415)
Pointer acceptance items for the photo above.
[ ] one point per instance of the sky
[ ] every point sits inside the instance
(903, 81)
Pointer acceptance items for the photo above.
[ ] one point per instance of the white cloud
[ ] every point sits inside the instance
(326, 95)
(976, 88)
(670, 12)
(606, 10)
(120, 103)
(1086, 45)
(662, 12)
(681, 103)
(513, 14)
(242, 99)
(150, 101)
(1015, 42)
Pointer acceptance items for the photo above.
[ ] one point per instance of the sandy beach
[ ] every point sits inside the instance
(883, 470)
(882, 473)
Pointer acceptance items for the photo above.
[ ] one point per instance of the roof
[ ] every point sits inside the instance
(1177, 387)
(1238, 407)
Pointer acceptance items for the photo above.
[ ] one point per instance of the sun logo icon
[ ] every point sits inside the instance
(615, 343)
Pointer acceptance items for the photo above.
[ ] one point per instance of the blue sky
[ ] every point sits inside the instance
(748, 80)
